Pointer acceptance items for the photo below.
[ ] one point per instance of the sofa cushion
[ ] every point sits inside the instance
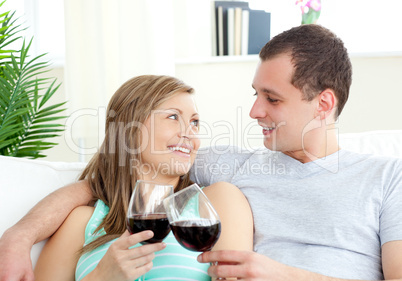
(24, 182)
(385, 143)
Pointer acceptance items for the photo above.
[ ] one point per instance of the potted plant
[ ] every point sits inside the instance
(26, 123)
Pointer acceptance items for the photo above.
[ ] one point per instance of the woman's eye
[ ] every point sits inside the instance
(195, 123)
(174, 117)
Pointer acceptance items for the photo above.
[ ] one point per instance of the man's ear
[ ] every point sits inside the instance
(326, 103)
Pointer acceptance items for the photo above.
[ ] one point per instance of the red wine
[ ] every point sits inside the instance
(158, 223)
(197, 235)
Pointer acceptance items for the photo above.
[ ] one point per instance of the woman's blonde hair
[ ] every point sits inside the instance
(110, 173)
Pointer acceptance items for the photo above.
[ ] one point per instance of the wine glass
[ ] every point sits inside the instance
(193, 220)
(146, 210)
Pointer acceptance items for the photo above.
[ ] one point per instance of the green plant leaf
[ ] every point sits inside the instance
(11, 131)
(25, 121)
(50, 112)
(48, 119)
(34, 127)
(39, 143)
(52, 107)
(39, 137)
(43, 131)
(6, 144)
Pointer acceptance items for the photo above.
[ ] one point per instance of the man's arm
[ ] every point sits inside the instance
(253, 266)
(38, 224)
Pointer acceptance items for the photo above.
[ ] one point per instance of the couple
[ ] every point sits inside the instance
(310, 223)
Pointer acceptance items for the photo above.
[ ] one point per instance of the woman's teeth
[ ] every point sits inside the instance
(178, 148)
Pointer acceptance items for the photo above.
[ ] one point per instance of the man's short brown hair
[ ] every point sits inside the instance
(320, 61)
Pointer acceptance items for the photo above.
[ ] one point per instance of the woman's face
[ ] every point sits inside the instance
(169, 141)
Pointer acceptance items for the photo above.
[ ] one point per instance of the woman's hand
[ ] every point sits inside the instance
(122, 263)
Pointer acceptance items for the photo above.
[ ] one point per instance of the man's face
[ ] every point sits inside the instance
(279, 107)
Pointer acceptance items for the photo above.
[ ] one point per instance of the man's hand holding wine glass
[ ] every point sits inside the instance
(248, 265)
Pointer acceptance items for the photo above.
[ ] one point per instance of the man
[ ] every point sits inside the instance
(330, 214)
(320, 213)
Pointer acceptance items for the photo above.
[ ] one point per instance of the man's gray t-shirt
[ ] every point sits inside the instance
(329, 216)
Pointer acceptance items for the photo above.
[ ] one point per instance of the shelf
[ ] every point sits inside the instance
(217, 59)
(255, 58)
(376, 54)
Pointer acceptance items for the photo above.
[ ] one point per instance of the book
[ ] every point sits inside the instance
(244, 32)
(222, 21)
(231, 31)
(220, 35)
(259, 30)
(214, 37)
(237, 30)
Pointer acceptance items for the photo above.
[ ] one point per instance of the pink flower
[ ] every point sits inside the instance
(305, 5)
(311, 10)
(314, 4)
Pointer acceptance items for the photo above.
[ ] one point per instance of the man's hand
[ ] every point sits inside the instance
(245, 265)
(40, 223)
(15, 259)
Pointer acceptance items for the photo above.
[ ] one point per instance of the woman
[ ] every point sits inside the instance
(151, 134)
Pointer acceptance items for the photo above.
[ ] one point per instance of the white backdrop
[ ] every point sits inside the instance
(96, 45)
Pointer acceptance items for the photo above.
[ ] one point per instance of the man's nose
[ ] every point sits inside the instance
(257, 110)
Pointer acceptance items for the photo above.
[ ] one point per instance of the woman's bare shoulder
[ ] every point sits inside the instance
(82, 213)
(235, 215)
(226, 196)
(222, 189)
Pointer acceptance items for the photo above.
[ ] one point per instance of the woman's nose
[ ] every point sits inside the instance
(187, 130)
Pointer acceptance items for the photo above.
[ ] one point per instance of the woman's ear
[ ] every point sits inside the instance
(326, 104)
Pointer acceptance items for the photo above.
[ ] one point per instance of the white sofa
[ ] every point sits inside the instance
(24, 182)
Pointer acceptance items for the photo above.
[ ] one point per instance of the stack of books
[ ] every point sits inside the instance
(239, 30)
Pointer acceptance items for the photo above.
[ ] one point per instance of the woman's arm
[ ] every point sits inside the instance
(235, 214)
(40, 222)
(59, 256)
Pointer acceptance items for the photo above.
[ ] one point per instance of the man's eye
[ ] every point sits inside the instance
(268, 98)
(272, 100)
(174, 117)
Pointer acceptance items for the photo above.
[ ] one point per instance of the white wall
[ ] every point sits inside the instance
(224, 93)
(224, 97)
(376, 95)
(223, 85)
